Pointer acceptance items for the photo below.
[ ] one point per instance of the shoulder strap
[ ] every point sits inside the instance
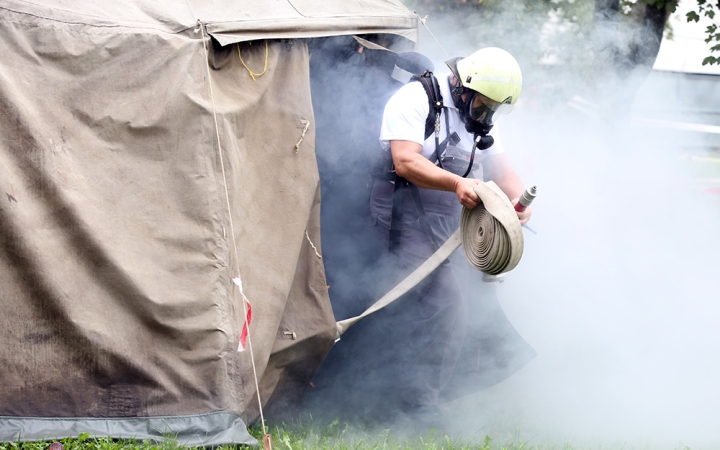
(435, 100)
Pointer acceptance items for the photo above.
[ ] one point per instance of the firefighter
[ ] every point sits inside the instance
(439, 133)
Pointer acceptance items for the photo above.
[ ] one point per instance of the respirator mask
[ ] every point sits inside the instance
(477, 113)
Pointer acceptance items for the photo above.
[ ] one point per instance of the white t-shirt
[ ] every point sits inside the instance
(406, 112)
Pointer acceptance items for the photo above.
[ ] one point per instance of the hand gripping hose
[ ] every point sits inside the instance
(491, 237)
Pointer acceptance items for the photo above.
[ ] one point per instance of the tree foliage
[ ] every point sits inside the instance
(712, 33)
(535, 31)
(562, 30)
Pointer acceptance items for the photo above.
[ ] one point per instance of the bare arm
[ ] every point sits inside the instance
(498, 169)
(418, 170)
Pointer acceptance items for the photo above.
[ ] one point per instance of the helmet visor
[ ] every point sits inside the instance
(482, 108)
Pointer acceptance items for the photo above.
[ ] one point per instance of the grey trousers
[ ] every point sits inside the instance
(431, 320)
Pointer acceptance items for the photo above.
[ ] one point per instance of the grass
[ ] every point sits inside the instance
(334, 436)
(307, 436)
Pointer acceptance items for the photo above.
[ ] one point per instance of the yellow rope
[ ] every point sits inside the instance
(253, 74)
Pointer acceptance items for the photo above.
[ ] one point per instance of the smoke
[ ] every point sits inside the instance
(618, 291)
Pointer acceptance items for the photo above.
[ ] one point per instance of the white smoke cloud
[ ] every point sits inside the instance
(618, 293)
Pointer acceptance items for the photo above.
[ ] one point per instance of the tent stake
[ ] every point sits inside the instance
(267, 442)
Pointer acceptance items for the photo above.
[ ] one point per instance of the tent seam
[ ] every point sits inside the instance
(69, 22)
(359, 19)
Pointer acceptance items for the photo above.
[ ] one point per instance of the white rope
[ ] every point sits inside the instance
(422, 21)
(302, 136)
(312, 245)
(232, 228)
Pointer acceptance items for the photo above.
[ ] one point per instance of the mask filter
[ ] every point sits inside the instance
(484, 142)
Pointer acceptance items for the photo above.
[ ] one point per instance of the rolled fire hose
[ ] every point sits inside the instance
(491, 237)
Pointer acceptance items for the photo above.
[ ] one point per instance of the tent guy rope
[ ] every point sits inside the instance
(422, 21)
(237, 279)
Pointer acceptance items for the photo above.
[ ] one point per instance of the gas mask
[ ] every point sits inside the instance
(477, 113)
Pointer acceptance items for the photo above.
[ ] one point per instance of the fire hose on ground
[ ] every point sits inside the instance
(491, 237)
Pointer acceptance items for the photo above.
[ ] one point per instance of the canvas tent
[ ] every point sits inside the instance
(142, 168)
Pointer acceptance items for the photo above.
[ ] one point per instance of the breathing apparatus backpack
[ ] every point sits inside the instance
(446, 156)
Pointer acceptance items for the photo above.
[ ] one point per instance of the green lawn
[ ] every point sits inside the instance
(331, 437)
(335, 436)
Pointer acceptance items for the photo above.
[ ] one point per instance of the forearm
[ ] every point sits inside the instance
(509, 182)
(411, 165)
(497, 168)
(421, 172)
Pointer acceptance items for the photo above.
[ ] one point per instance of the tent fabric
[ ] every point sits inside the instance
(201, 430)
(229, 21)
(138, 177)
